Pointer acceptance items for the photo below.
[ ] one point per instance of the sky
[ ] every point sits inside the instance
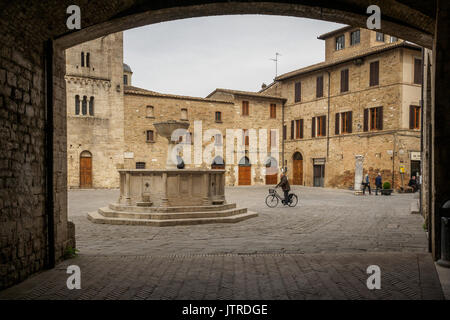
(195, 56)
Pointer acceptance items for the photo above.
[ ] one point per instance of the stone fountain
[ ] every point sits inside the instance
(171, 196)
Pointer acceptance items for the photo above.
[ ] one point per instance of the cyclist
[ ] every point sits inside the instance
(284, 184)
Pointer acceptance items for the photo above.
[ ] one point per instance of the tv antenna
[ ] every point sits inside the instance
(276, 63)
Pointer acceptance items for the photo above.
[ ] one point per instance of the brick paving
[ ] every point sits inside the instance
(318, 250)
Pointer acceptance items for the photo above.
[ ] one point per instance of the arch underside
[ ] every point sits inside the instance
(397, 19)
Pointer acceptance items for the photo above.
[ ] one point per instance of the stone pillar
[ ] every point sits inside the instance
(440, 120)
(127, 189)
(359, 160)
(206, 189)
(165, 198)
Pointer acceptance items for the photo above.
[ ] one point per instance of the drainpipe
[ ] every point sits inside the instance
(49, 127)
(421, 131)
(393, 162)
(328, 124)
(282, 135)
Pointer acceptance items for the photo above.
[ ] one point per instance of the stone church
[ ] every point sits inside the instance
(363, 100)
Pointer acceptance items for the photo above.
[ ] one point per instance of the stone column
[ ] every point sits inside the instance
(165, 198)
(206, 189)
(440, 120)
(359, 160)
(127, 189)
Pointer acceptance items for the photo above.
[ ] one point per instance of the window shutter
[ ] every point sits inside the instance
(380, 118)
(336, 125)
(319, 87)
(374, 73)
(324, 128)
(292, 129)
(313, 127)
(417, 71)
(346, 80)
(350, 121)
(298, 91)
(301, 128)
(366, 119)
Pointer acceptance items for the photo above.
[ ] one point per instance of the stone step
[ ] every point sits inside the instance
(140, 209)
(107, 212)
(414, 208)
(96, 217)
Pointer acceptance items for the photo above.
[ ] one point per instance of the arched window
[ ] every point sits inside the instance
(87, 59)
(297, 156)
(218, 163)
(271, 166)
(84, 106)
(91, 106)
(77, 104)
(244, 162)
(82, 59)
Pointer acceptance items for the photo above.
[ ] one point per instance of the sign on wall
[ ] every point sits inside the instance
(415, 155)
(128, 155)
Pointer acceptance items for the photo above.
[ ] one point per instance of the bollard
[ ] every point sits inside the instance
(444, 261)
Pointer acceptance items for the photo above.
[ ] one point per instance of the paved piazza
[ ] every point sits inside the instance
(318, 250)
(325, 220)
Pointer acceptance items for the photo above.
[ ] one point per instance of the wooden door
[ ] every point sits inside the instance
(85, 172)
(271, 178)
(297, 172)
(244, 175)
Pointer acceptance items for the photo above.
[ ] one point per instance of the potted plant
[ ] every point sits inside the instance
(386, 189)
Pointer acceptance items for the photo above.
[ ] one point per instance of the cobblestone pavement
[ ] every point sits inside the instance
(319, 250)
(325, 220)
(254, 276)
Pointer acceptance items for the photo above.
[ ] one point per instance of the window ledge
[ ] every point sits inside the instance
(150, 141)
(150, 117)
(219, 121)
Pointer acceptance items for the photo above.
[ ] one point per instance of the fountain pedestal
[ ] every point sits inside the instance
(167, 197)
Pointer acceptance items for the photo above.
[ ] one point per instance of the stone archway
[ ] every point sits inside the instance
(29, 63)
(85, 170)
(297, 168)
(271, 171)
(245, 172)
(218, 163)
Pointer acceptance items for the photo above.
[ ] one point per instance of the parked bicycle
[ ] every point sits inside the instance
(274, 198)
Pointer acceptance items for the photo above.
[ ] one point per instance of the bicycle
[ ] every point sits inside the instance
(273, 198)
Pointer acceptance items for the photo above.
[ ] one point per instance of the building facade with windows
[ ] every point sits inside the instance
(364, 99)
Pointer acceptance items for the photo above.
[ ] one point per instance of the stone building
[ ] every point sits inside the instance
(364, 99)
(95, 112)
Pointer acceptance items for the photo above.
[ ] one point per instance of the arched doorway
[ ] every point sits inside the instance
(85, 169)
(297, 168)
(218, 163)
(245, 172)
(271, 171)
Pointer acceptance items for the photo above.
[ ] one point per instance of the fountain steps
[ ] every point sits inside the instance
(139, 209)
(106, 212)
(170, 219)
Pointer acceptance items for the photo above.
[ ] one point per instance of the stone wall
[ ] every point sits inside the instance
(168, 107)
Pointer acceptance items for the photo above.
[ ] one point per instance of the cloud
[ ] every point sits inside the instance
(195, 56)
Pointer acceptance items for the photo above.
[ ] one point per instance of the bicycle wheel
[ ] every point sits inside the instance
(294, 200)
(271, 201)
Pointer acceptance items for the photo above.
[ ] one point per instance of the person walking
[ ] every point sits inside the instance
(366, 183)
(413, 184)
(284, 184)
(378, 183)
